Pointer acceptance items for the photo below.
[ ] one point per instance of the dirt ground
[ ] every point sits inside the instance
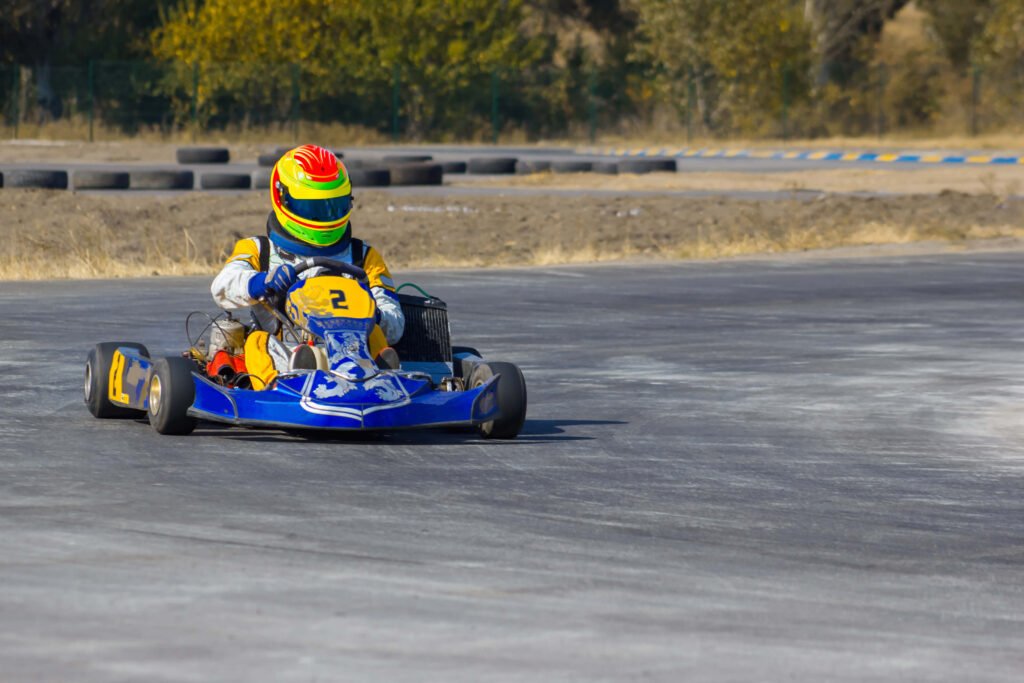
(47, 234)
(1003, 181)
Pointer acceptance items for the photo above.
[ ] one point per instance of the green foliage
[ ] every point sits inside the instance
(957, 25)
(1001, 43)
(739, 63)
(442, 51)
(71, 31)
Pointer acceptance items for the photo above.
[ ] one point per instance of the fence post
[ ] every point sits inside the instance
(883, 76)
(691, 102)
(92, 99)
(495, 119)
(785, 101)
(195, 100)
(592, 104)
(396, 74)
(296, 103)
(975, 97)
(17, 99)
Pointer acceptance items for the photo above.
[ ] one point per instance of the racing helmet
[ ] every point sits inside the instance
(311, 194)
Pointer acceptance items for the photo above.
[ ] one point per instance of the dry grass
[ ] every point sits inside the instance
(49, 235)
(75, 129)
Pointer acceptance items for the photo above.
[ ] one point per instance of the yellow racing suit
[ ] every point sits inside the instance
(230, 290)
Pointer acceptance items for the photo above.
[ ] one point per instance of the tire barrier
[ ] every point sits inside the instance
(203, 155)
(416, 174)
(647, 166)
(528, 167)
(453, 166)
(406, 158)
(358, 163)
(268, 159)
(572, 166)
(162, 180)
(338, 153)
(492, 165)
(226, 181)
(39, 179)
(370, 177)
(99, 180)
(606, 167)
(261, 180)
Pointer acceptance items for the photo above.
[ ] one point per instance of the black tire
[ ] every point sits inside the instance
(453, 166)
(406, 158)
(370, 177)
(511, 399)
(203, 155)
(36, 178)
(171, 393)
(97, 380)
(261, 180)
(269, 159)
(99, 180)
(572, 166)
(416, 174)
(226, 181)
(162, 180)
(338, 153)
(647, 166)
(531, 166)
(492, 165)
(606, 167)
(1, 179)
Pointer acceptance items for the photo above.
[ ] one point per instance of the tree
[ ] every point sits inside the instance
(957, 24)
(839, 29)
(742, 58)
(42, 34)
(442, 50)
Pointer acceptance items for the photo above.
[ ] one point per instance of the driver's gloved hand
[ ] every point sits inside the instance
(277, 280)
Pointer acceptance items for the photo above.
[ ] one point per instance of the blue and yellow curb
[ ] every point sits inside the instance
(792, 155)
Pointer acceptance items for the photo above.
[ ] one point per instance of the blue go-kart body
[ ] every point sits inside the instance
(434, 385)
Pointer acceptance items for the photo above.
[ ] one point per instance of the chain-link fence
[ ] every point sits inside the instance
(106, 100)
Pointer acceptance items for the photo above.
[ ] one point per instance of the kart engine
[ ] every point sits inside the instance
(226, 335)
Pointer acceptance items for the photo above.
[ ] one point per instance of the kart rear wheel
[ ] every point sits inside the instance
(511, 399)
(97, 381)
(171, 393)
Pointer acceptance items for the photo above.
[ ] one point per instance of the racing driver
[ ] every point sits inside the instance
(311, 198)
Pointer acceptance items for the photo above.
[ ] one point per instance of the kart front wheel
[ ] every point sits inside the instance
(511, 399)
(171, 393)
(97, 380)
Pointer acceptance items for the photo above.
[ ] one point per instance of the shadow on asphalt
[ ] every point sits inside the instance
(534, 431)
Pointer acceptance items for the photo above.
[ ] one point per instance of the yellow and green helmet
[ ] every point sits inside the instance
(312, 195)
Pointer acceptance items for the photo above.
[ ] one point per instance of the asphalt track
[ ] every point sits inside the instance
(766, 470)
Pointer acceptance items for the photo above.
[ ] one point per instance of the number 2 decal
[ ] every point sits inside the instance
(339, 298)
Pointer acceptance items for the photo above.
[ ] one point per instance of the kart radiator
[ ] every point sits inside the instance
(427, 338)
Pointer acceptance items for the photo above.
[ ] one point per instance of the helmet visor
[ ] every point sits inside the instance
(319, 210)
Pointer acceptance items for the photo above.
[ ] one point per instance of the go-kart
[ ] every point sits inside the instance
(332, 382)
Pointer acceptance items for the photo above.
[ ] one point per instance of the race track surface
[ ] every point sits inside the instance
(767, 470)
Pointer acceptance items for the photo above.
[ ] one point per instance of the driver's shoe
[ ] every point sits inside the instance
(387, 359)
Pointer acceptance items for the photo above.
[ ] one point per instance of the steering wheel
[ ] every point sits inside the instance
(332, 266)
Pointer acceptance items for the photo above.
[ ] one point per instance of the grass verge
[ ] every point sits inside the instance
(48, 235)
